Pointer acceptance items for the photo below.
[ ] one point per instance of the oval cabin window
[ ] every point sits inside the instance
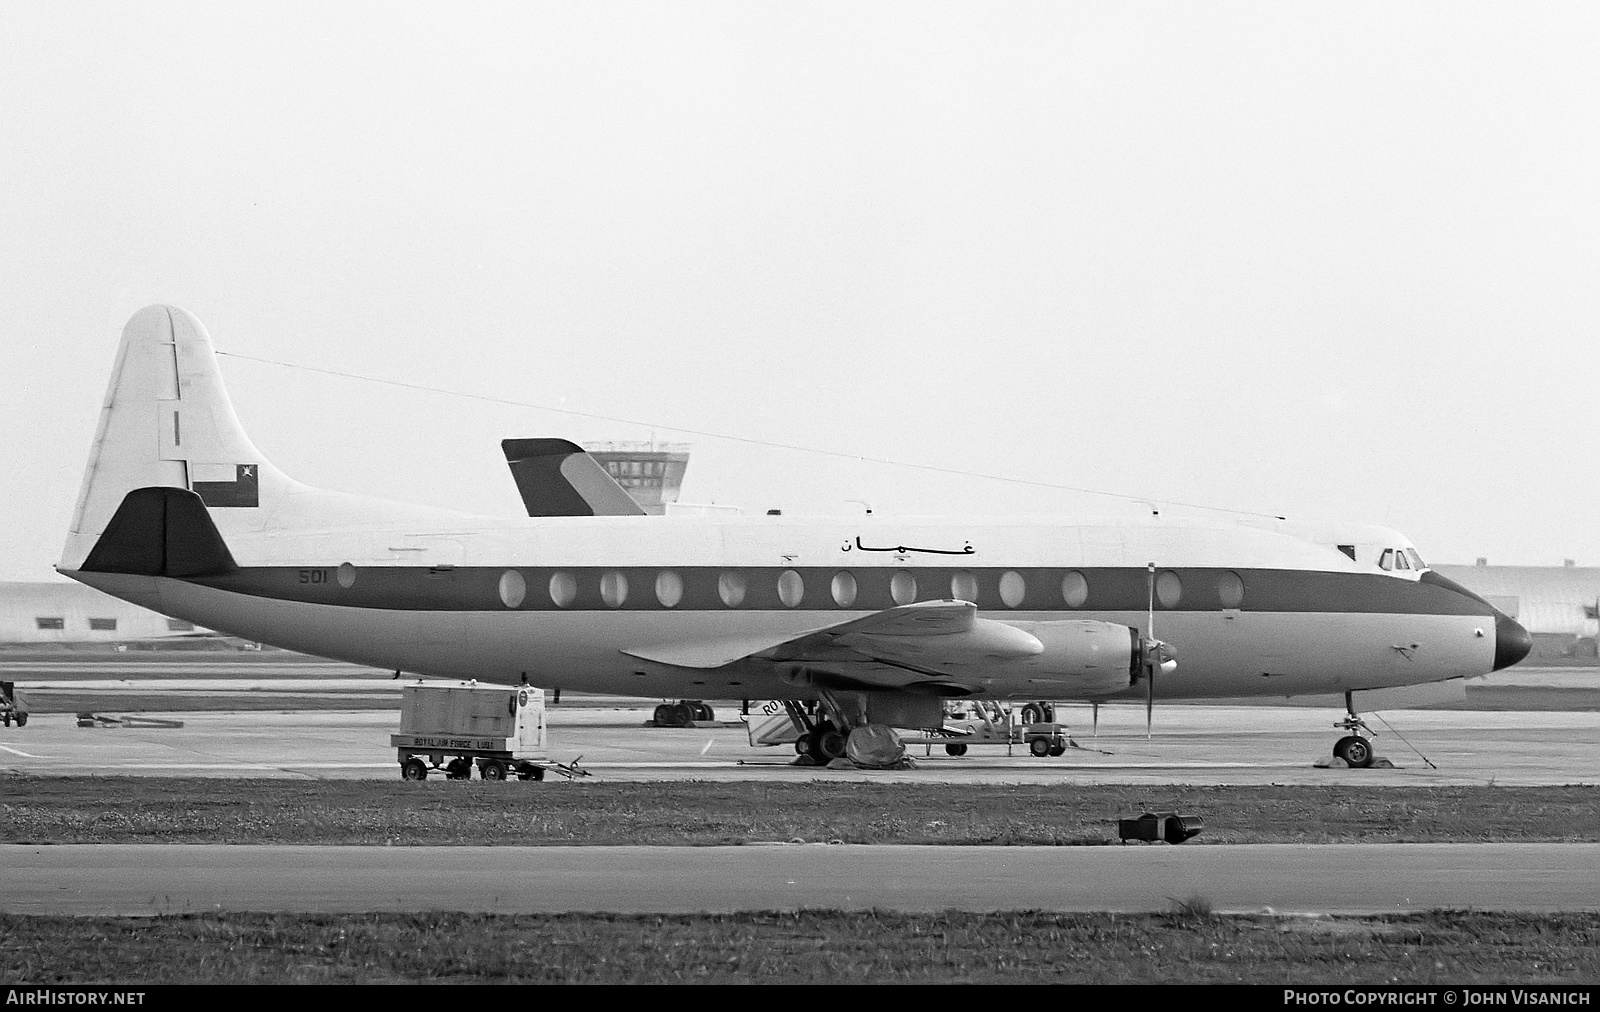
(964, 587)
(1230, 589)
(844, 589)
(1169, 589)
(669, 588)
(513, 588)
(563, 589)
(730, 587)
(1075, 589)
(791, 588)
(613, 589)
(903, 588)
(1012, 588)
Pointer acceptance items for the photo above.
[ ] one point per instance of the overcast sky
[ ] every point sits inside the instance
(1334, 261)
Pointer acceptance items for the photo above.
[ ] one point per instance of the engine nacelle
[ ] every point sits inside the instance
(1082, 658)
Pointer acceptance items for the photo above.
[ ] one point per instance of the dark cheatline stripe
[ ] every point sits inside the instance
(477, 588)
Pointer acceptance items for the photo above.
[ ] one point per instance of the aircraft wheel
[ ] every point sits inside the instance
(414, 769)
(956, 748)
(663, 714)
(459, 769)
(22, 718)
(1030, 715)
(1355, 750)
(1039, 747)
(827, 743)
(494, 769)
(802, 746)
(703, 711)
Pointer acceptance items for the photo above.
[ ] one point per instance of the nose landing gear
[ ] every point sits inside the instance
(1355, 750)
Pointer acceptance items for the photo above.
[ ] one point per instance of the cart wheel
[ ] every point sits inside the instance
(459, 768)
(1039, 747)
(494, 769)
(956, 748)
(414, 769)
(1058, 750)
(22, 718)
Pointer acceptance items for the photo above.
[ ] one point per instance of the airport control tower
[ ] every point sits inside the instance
(650, 472)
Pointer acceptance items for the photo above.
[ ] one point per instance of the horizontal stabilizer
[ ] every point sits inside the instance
(160, 531)
(558, 478)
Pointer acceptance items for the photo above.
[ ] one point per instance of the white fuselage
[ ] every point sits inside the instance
(1254, 613)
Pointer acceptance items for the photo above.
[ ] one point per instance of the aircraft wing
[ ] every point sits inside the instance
(897, 648)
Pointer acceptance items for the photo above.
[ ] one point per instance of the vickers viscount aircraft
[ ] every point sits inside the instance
(877, 620)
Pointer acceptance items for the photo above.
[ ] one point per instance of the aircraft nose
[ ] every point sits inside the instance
(1511, 641)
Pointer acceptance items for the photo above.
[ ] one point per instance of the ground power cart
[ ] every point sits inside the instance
(449, 727)
(12, 706)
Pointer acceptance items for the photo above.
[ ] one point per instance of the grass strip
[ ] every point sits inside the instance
(439, 812)
(805, 947)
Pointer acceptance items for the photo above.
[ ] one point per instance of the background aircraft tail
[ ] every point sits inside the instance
(167, 422)
(558, 478)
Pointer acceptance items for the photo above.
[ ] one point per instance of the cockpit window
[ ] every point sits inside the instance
(1386, 560)
(1416, 559)
(1400, 561)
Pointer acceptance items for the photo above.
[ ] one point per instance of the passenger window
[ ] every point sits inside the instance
(730, 587)
(1386, 560)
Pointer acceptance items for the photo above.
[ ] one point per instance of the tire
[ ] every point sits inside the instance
(802, 745)
(1030, 714)
(1355, 750)
(827, 744)
(494, 769)
(956, 748)
(22, 718)
(459, 768)
(1048, 712)
(1058, 750)
(413, 769)
(663, 714)
(1039, 747)
(703, 711)
(7, 718)
(528, 771)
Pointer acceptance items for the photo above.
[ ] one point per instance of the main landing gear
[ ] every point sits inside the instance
(831, 730)
(683, 713)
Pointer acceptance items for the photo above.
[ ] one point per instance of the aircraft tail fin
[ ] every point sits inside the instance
(167, 424)
(558, 478)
